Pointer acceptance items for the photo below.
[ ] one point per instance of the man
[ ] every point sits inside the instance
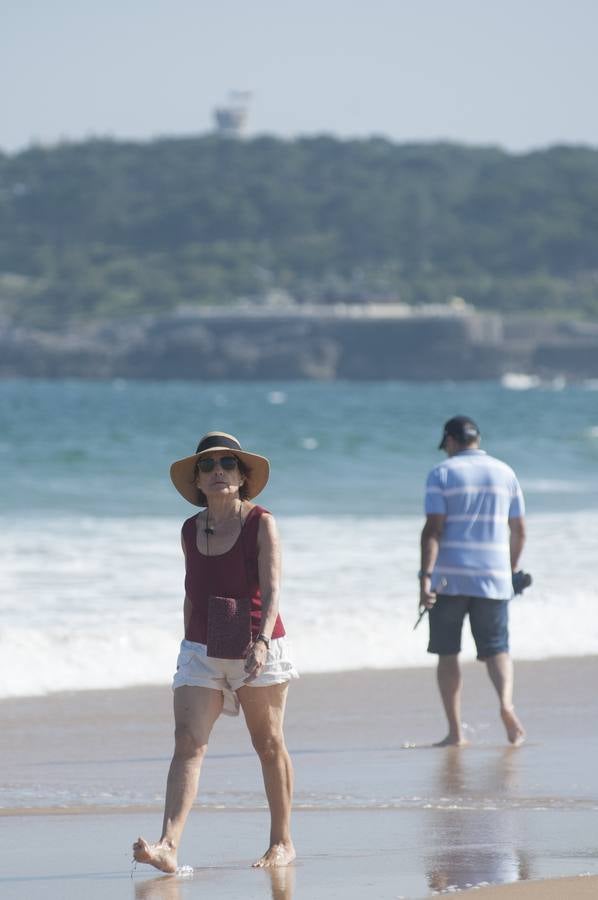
(470, 547)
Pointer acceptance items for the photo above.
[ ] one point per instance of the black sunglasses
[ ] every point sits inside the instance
(207, 464)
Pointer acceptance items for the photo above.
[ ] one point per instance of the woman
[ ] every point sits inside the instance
(234, 652)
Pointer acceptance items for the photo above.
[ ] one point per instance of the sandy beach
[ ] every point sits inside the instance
(378, 811)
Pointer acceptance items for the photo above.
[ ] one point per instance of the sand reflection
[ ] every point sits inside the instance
(474, 824)
(165, 887)
(278, 884)
(282, 882)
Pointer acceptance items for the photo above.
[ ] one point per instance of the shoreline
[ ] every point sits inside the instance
(378, 810)
(68, 865)
(351, 673)
(352, 342)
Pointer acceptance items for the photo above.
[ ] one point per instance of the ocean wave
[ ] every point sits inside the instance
(555, 486)
(520, 381)
(100, 604)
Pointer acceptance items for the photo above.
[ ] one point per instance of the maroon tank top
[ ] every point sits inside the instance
(231, 574)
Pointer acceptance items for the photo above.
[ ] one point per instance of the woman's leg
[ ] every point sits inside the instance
(195, 711)
(263, 708)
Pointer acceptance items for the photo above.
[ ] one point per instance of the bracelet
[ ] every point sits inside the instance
(265, 640)
(421, 574)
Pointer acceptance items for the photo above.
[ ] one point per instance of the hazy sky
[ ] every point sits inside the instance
(519, 73)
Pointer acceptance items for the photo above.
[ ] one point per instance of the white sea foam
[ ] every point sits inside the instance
(519, 381)
(553, 486)
(277, 397)
(92, 603)
(309, 443)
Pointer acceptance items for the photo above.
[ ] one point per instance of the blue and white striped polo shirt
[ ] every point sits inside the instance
(478, 495)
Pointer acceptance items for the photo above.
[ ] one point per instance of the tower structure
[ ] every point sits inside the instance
(231, 119)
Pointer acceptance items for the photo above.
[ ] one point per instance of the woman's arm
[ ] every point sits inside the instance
(187, 603)
(268, 549)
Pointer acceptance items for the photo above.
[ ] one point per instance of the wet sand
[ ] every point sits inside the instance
(378, 811)
(581, 888)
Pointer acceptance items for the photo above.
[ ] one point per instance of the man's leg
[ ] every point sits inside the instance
(489, 621)
(500, 670)
(449, 679)
(263, 708)
(446, 623)
(195, 711)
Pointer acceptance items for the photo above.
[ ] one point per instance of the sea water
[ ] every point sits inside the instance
(92, 569)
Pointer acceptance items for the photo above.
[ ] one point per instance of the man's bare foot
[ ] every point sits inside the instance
(277, 855)
(451, 741)
(515, 730)
(161, 855)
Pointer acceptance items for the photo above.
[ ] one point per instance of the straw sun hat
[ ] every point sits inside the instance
(182, 472)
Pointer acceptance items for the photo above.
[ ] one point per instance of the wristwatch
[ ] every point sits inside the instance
(264, 639)
(421, 574)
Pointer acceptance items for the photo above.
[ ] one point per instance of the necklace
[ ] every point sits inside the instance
(208, 530)
(211, 529)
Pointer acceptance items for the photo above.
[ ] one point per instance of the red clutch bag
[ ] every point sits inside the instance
(229, 627)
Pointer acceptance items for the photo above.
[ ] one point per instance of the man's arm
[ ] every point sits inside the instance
(516, 540)
(430, 543)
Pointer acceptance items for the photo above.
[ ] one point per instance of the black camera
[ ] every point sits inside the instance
(521, 581)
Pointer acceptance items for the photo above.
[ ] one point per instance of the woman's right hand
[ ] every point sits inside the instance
(255, 659)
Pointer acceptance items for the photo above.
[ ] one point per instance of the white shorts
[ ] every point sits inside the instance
(194, 667)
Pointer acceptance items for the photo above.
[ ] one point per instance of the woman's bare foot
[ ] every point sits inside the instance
(161, 855)
(452, 741)
(277, 855)
(515, 730)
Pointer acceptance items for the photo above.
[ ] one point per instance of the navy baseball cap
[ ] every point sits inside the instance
(461, 428)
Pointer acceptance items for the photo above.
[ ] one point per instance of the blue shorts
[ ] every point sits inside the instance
(488, 620)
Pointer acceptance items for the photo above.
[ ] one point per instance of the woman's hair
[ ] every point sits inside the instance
(243, 492)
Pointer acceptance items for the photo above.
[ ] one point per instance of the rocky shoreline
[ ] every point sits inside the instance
(323, 344)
